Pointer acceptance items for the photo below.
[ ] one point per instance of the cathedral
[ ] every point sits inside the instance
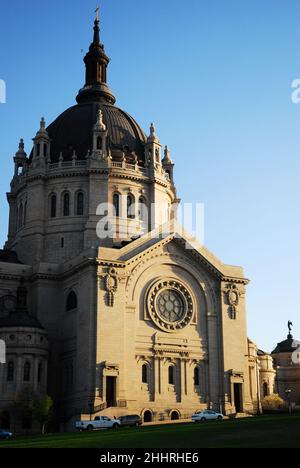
(118, 310)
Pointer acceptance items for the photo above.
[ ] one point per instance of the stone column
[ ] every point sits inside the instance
(157, 377)
(215, 381)
(183, 380)
(19, 374)
(35, 373)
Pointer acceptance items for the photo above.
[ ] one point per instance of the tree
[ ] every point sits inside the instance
(41, 410)
(272, 403)
(24, 404)
(31, 407)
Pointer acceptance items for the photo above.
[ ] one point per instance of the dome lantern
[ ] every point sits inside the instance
(96, 63)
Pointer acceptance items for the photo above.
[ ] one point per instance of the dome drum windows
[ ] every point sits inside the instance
(80, 204)
(40, 373)
(27, 372)
(66, 204)
(116, 205)
(10, 376)
(53, 205)
(130, 207)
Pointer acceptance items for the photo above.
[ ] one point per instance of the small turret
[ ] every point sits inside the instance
(168, 164)
(100, 136)
(41, 142)
(20, 160)
(153, 149)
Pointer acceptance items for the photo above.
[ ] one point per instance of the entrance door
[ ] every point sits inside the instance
(238, 397)
(111, 391)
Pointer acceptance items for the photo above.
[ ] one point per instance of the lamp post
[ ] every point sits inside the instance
(288, 395)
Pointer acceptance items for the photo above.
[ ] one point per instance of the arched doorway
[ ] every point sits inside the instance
(147, 416)
(4, 420)
(174, 415)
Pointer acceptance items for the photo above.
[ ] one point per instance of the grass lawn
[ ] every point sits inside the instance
(264, 431)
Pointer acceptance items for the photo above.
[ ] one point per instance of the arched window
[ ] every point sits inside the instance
(66, 205)
(130, 207)
(38, 149)
(10, 372)
(196, 377)
(99, 143)
(53, 206)
(45, 150)
(147, 416)
(171, 375)
(144, 373)
(265, 389)
(116, 204)
(71, 303)
(20, 170)
(80, 204)
(27, 370)
(175, 415)
(40, 372)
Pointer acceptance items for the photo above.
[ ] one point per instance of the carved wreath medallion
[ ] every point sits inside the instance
(170, 305)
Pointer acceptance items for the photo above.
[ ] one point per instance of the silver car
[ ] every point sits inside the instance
(207, 415)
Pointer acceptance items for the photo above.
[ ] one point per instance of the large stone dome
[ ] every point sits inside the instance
(72, 130)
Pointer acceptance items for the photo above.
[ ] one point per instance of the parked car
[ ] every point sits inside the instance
(131, 420)
(207, 415)
(5, 435)
(100, 422)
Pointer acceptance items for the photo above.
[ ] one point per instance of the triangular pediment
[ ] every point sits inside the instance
(176, 236)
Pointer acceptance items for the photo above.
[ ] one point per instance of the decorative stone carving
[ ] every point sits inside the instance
(170, 305)
(233, 299)
(111, 285)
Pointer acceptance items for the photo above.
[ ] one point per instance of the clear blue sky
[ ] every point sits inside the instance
(215, 77)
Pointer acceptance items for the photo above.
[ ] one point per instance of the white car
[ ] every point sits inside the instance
(100, 422)
(207, 415)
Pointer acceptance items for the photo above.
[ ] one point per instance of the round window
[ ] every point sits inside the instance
(170, 305)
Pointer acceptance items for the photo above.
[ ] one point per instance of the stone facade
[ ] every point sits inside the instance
(146, 321)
